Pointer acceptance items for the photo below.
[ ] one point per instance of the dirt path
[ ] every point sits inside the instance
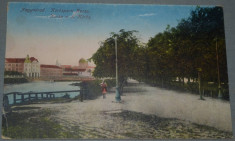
(145, 113)
(185, 106)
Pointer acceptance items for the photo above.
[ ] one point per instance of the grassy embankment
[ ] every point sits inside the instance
(31, 125)
(14, 77)
(40, 125)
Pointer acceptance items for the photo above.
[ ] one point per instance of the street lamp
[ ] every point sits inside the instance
(199, 82)
(118, 97)
(217, 59)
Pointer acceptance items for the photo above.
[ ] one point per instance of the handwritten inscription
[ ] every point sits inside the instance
(59, 13)
(27, 10)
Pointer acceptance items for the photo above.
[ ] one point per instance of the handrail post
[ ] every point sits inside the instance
(85, 93)
(14, 96)
(22, 98)
(29, 97)
(81, 94)
(36, 96)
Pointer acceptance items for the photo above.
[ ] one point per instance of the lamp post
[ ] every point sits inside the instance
(217, 59)
(199, 82)
(118, 97)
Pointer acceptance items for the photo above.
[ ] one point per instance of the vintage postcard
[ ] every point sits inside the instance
(115, 71)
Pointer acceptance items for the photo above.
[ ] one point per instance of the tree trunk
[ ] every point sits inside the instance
(183, 81)
(122, 84)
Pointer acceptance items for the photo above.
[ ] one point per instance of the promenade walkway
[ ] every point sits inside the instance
(145, 113)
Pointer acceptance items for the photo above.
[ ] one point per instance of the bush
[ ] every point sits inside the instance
(92, 89)
(12, 73)
(15, 80)
(110, 82)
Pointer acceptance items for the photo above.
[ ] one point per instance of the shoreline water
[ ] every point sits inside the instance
(39, 86)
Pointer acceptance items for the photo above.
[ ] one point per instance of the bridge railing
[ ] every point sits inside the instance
(20, 98)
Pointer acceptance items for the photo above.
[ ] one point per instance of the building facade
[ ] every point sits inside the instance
(82, 63)
(14, 64)
(71, 70)
(86, 69)
(29, 66)
(51, 71)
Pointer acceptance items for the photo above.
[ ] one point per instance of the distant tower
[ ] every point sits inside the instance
(27, 59)
(57, 63)
(82, 63)
(28, 66)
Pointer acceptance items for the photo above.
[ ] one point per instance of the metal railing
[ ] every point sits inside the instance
(19, 97)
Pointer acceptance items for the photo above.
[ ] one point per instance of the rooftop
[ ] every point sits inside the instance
(50, 66)
(14, 60)
(19, 60)
(33, 59)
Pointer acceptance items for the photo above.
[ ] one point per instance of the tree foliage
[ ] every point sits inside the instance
(105, 57)
(176, 53)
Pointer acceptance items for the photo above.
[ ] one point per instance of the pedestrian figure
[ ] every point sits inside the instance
(104, 89)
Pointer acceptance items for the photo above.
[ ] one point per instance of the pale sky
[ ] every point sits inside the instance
(68, 32)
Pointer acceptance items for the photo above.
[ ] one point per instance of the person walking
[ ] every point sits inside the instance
(104, 89)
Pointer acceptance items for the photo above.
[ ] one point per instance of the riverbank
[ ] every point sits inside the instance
(63, 79)
(145, 113)
(15, 80)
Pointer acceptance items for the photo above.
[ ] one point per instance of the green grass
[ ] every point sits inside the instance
(37, 125)
(40, 125)
(31, 125)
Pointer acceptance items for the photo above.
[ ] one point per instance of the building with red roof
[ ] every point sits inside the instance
(65, 66)
(71, 70)
(29, 66)
(87, 70)
(14, 64)
(50, 71)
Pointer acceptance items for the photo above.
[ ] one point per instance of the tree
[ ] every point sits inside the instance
(179, 51)
(203, 29)
(104, 58)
